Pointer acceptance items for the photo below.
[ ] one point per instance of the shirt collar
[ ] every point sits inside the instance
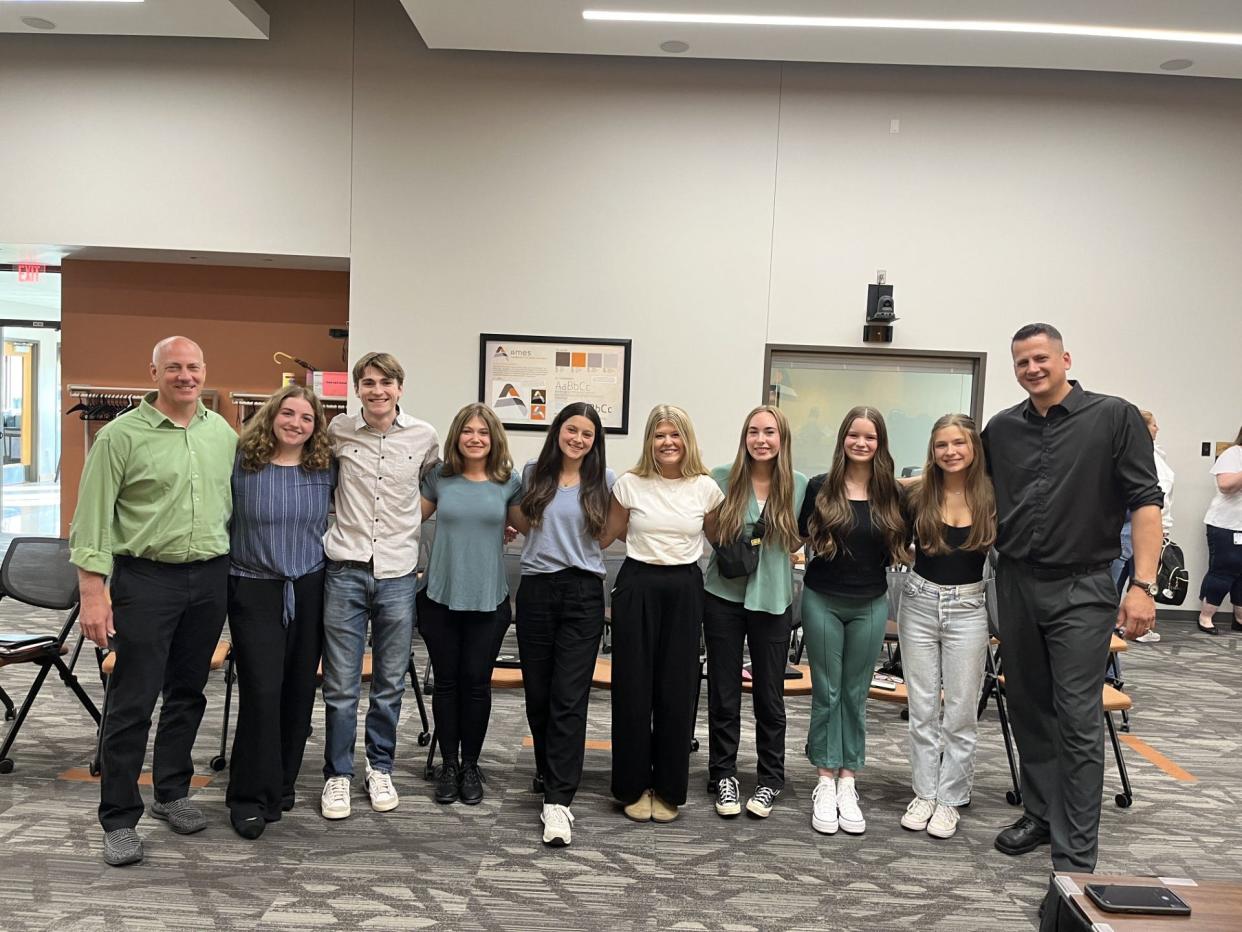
(156, 418)
(1069, 404)
(402, 420)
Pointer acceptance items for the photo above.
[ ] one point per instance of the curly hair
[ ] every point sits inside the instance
(258, 441)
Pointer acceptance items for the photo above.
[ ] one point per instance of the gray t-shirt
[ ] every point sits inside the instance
(561, 542)
(466, 571)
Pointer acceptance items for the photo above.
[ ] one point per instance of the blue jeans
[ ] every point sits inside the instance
(1123, 567)
(352, 596)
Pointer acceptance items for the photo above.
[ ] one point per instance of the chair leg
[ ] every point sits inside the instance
(10, 712)
(96, 764)
(430, 770)
(220, 761)
(694, 718)
(1125, 798)
(6, 763)
(67, 677)
(1013, 796)
(424, 736)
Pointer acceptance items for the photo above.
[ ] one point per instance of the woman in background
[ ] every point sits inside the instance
(282, 486)
(662, 507)
(752, 610)
(560, 602)
(464, 613)
(943, 621)
(1224, 537)
(852, 518)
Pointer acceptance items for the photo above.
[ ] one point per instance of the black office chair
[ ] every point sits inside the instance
(37, 572)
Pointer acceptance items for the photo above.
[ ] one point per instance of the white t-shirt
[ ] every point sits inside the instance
(1164, 475)
(666, 516)
(1225, 509)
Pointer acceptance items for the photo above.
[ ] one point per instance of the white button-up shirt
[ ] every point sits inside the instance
(378, 506)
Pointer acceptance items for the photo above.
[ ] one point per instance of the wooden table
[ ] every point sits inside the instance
(1213, 905)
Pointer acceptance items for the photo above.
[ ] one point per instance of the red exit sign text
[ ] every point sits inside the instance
(30, 271)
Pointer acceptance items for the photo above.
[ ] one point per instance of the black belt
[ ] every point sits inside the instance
(355, 564)
(1060, 570)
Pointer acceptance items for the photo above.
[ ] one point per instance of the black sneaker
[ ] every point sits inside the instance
(472, 779)
(728, 798)
(761, 801)
(448, 782)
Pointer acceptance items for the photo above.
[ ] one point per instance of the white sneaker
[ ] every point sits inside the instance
(918, 814)
(728, 798)
(334, 803)
(943, 822)
(1151, 637)
(848, 813)
(380, 789)
(556, 820)
(824, 807)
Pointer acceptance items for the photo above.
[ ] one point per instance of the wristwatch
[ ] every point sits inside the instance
(1149, 587)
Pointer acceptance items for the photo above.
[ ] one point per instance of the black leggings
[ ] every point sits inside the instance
(463, 648)
(1224, 575)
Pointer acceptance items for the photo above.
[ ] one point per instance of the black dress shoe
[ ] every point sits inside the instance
(1235, 625)
(248, 827)
(471, 792)
(448, 782)
(1023, 836)
(1208, 629)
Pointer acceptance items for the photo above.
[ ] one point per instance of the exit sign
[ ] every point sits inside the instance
(30, 271)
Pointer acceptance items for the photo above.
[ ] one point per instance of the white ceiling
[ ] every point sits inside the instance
(218, 19)
(558, 26)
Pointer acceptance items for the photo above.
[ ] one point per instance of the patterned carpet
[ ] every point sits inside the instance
(426, 866)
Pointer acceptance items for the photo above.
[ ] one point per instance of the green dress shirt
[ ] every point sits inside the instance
(154, 489)
(770, 587)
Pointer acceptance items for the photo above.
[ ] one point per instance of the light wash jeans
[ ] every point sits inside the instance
(944, 634)
(352, 596)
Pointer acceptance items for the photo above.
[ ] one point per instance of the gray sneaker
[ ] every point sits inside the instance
(182, 816)
(122, 846)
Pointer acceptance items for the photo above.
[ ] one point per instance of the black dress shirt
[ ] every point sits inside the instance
(1064, 481)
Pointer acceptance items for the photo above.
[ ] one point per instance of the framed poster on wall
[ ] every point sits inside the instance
(527, 380)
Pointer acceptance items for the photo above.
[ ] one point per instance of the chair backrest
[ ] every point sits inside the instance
(37, 571)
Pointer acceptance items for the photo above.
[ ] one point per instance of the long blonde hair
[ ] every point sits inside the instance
(927, 495)
(691, 460)
(258, 442)
(833, 517)
(782, 523)
(499, 464)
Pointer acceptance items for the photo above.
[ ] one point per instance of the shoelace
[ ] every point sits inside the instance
(728, 791)
(824, 794)
(382, 783)
(765, 796)
(338, 791)
(560, 816)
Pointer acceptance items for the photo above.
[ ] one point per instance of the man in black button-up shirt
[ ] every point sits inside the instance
(1067, 464)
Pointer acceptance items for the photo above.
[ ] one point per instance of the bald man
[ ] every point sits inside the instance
(153, 513)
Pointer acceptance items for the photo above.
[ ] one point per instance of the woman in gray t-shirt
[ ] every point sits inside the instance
(464, 612)
(560, 603)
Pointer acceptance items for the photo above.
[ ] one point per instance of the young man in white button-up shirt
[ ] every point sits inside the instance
(372, 551)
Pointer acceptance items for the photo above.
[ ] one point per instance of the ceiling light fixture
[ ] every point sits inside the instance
(675, 46)
(38, 22)
(1176, 64)
(936, 25)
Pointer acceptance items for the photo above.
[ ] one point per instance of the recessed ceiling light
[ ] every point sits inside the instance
(1176, 64)
(938, 25)
(675, 46)
(38, 22)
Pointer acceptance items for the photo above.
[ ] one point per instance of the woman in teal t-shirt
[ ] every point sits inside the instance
(465, 610)
(753, 609)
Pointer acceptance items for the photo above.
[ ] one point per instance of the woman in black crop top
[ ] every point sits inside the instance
(852, 520)
(943, 623)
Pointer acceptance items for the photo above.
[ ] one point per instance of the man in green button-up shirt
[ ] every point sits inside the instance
(153, 513)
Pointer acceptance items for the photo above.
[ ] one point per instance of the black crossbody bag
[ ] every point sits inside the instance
(740, 557)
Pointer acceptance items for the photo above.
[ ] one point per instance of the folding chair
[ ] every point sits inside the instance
(37, 572)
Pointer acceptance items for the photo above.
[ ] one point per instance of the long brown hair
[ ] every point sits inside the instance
(782, 523)
(592, 476)
(833, 517)
(499, 465)
(927, 495)
(691, 460)
(258, 442)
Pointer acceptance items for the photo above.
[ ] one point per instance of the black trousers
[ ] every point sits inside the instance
(726, 626)
(657, 613)
(1055, 635)
(276, 673)
(168, 618)
(463, 647)
(560, 617)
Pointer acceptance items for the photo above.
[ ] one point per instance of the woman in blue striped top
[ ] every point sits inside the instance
(282, 484)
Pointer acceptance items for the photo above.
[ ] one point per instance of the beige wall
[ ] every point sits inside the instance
(700, 208)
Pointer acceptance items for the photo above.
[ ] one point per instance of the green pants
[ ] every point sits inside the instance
(843, 638)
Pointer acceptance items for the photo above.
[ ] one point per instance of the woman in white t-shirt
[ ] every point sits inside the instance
(1224, 537)
(660, 507)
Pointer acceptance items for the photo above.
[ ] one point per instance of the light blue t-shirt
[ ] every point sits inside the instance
(466, 571)
(561, 541)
